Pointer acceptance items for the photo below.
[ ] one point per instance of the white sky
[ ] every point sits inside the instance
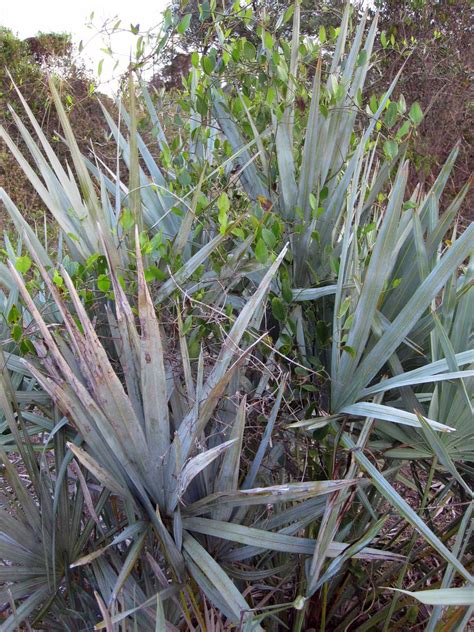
(26, 17)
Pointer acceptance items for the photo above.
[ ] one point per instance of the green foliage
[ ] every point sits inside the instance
(28, 63)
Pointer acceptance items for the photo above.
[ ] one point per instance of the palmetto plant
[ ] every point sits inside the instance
(450, 348)
(379, 304)
(169, 446)
(317, 155)
(391, 261)
(41, 526)
(367, 297)
(347, 223)
(93, 195)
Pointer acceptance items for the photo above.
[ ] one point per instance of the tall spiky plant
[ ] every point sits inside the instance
(155, 448)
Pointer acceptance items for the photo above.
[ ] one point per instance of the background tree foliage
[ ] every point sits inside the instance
(266, 12)
(28, 63)
(438, 74)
